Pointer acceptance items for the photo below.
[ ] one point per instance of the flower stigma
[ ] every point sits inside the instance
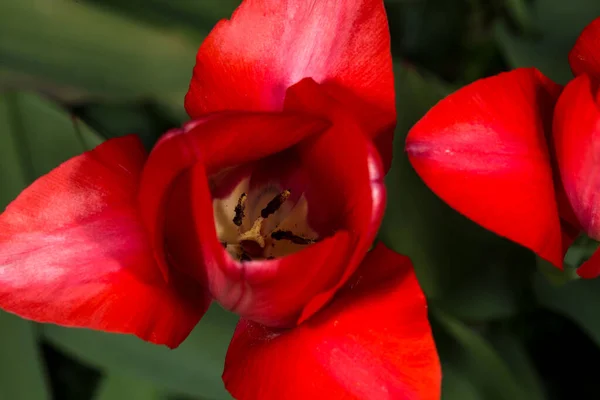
(280, 228)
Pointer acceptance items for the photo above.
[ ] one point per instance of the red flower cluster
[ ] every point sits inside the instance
(520, 155)
(267, 202)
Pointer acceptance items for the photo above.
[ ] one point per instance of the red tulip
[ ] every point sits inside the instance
(242, 200)
(267, 202)
(516, 153)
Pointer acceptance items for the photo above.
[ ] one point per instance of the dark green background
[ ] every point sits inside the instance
(507, 326)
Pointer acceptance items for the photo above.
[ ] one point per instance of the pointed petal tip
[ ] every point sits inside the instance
(483, 151)
(584, 57)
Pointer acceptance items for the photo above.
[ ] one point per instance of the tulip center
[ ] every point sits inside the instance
(264, 224)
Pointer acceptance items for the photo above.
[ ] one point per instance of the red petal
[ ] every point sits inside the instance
(483, 150)
(591, 268)
(359, 188)
(585, 55)
(577, 144)
(73, 252)
(372, 342)
(248, 62)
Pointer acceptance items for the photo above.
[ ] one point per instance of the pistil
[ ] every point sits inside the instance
(252, 243)
(254, 234)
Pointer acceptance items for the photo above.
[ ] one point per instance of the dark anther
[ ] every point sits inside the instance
(224, 244)
(270, 258)
(288, 235)
(239, 210)
(275, 204)
(245, 257)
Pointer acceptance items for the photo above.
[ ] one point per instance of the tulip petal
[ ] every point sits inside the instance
(585, 55)
(483, 150)
(217, 141)
(73, 252)
(577, 144)
(372, 342)
(248, 62)
(359, 190)
(591, 268)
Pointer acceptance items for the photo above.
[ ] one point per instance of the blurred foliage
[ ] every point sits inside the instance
(192, 369)
(22, 372)
(76, 72)
(548, 32)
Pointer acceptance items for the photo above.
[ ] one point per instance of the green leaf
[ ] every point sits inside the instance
(22, 374)
(196, 15)
(557, 23)
(518, 10)
(87, 51)
(16, 170)
(472, 356)
(194, 368)
(555, 275)
(456, 385)
(513, 352)
(115, 387)
(431, 33)
(491, 291)
(577, 300)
